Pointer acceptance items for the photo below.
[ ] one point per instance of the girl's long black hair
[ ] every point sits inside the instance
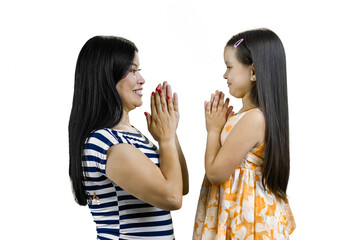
(264, 49)
(102, 62)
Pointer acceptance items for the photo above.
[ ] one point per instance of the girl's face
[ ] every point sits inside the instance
(130, 87)
(239, 76)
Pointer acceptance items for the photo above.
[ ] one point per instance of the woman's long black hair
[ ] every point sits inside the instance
(101, 63)
(264, 49)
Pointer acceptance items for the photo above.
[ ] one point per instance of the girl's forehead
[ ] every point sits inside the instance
(229, 54)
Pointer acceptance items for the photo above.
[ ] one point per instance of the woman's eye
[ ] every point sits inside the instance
(135, 70)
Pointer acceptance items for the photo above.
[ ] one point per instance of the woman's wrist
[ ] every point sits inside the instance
(167, 141)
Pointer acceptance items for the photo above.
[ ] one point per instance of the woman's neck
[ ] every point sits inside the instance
(124, 124)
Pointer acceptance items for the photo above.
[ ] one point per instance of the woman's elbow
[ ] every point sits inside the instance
(185, 191)
(173, 203)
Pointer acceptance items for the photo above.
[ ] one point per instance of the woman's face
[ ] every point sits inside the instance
(130, 87)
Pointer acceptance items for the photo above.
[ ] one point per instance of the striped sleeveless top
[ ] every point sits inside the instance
(118, 214)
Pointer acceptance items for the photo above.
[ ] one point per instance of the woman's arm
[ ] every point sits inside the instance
(130, 169)
(184, 170)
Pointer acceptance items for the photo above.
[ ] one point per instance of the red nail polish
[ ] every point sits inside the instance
(160, 90)
(146, 114)
(157, 89)
(152, 94)
(168, 97)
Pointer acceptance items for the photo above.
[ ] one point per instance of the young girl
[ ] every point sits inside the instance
(247, 165)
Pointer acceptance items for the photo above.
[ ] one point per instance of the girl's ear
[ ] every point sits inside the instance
(252, 73)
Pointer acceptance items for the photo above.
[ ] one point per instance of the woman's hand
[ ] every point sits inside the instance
(173, 97)
(217, 112)
(162, 122)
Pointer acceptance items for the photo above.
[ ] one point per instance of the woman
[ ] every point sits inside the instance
(128, 184)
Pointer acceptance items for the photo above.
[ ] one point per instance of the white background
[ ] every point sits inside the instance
(181, 42)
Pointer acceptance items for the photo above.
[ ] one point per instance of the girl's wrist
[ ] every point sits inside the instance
(214, 132)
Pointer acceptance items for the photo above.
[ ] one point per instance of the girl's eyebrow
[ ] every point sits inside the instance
(134, 64)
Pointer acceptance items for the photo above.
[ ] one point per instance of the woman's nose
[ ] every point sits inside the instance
(140, 79)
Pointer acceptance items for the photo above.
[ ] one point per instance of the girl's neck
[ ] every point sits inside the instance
(248, 104)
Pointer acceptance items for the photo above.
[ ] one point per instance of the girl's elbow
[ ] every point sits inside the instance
(215, 179)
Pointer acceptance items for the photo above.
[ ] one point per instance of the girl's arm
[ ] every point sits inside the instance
(221, 161)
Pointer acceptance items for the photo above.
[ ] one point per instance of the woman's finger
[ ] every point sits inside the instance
(152, 104)
(148, 119)
(164, 87)
(170, 104)
(158, 101)
(176, 102)
(168, 90)
(162, 99)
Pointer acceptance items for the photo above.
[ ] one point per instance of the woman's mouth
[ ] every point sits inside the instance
(138, 92)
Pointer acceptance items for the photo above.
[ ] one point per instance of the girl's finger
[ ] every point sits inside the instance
(208, 107)
(212, 99)
(226, 104)
(221, 100)
(215, 104)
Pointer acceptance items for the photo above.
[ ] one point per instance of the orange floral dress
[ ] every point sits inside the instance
(240, 208)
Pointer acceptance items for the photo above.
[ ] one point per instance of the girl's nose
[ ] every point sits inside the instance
(225, 75)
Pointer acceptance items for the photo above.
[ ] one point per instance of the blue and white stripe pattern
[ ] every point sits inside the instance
(118, 214)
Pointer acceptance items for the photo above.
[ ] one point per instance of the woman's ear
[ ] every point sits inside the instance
(252, 73)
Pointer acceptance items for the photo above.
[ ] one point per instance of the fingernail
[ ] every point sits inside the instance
(168, 97)
(152, 94)
(145, 113)
(160, 90)
(157, 89)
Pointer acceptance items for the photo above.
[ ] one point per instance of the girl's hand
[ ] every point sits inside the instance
(216, 112)
(162, 120)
